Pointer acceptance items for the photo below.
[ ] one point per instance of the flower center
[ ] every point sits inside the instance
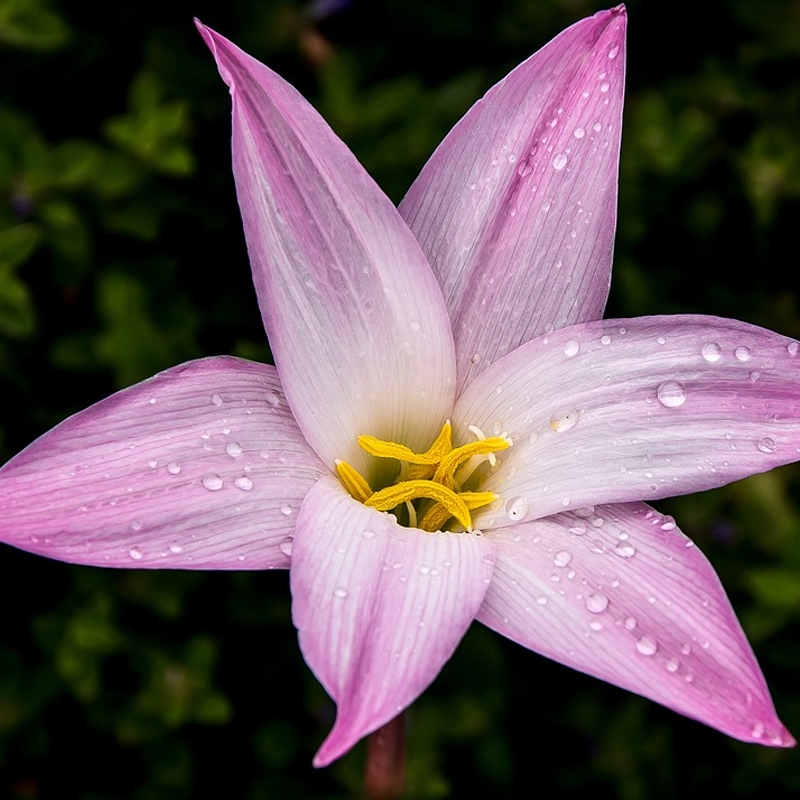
(435, 490)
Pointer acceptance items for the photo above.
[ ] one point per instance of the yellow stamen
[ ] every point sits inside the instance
(445, 472)
(436, 516)
(386, 499)
(353, 481)
(433, 455)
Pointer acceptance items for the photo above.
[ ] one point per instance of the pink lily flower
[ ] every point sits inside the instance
(451, 432)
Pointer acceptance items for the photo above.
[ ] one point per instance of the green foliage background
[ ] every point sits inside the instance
(121, 254)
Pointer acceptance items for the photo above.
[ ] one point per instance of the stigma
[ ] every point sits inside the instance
(435, 490)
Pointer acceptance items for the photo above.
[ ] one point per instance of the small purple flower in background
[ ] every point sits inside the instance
(451, 432)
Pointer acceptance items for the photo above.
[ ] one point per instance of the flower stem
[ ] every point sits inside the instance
(385, 771)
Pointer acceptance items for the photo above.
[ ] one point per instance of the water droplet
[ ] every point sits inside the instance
(517, 508)
(742, 353)
(564, 422)
(757, 731)
(630, 623)
(605, 86)
(541, 601)
(212, 482)
(596, 625)
(625, 551)
(711, 352)
(671, 394)
(672, 665)
(173, 468)
(273, 398)
(286, 510)
(562, 558)
(367, 534)
(135, 553)
(476, 359)
(596, 603)
(340, 592)
(613, 51)
(578, 529)
(668, 523)
(571, 348)
(136, 525)
(605, 340)
(579, 133)
(286, 545)
(152, 464)
(233, 449)
(646, 646)
(216, 399)
(175, 548)
(766, 445)
(584, 512)
(243, 482)
(755, 376)
(560, 161)
(792, 348)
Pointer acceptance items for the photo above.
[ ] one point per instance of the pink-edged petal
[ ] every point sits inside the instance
(379, 608)
(201, 466)
(615, 411)
(620, 593)
(354, 315)
(516, 209)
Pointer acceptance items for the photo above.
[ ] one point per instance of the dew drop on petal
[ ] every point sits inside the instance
(742, 353)
(175, 548)
(625, 551)
(286, 545)
(766, 445)
(212, 482)
(646, 646)
(216, 399)
(517, 508)
(233, 449)
(560, 161)
(596, 603)
(792, 348)
(630, 623)
(273, 398)
(579, 133)
(243, 482)
(711, 352)
(671, 394)
(135, 553)
(286, 510)
(136, 525)
(571, 348)
(173, 468)
(668, 523)
(340, 592)
(562, 558)
(672, 665)
(564, 422)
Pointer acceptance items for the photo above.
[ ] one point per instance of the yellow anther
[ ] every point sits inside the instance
(392, 496)
(353, 481)
(436, 516)
(445, 472)
(433, 455)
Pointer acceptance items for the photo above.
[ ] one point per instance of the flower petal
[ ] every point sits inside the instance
(632, 602)
(354, 315)
(379, 608)
(614, 411)
(202, 466)
(516, 209)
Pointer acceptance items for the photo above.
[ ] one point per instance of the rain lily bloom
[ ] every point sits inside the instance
(451, 432)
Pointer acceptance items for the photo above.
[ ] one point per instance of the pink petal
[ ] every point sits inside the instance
(623, 410)
(354, 315)
(516, 209)
(379, 608)
(623, 595)
(201, 466)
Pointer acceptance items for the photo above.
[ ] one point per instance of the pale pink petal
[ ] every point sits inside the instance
(202, 466)
(614, 411)
(516, 209)
(622, 594)
(379, 608)
(354, 315)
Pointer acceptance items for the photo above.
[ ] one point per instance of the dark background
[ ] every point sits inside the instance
(121, 253)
